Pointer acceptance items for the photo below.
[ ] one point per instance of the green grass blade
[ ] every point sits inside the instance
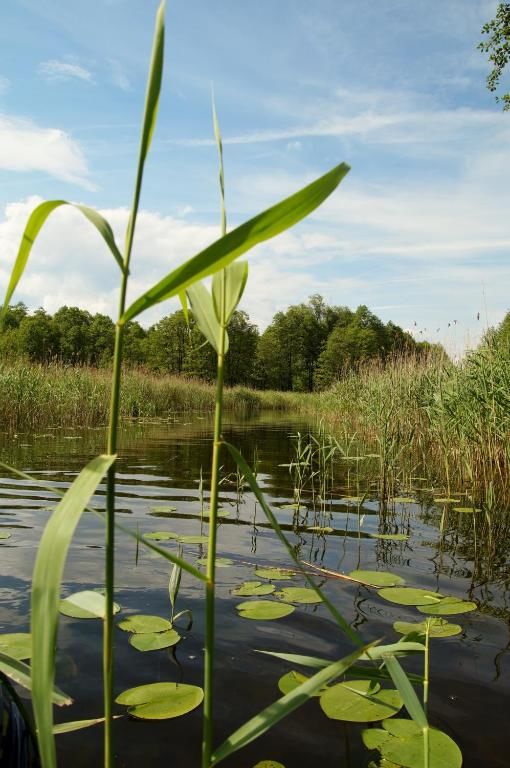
(406, 690)
(357, 670)
(222, 252)
(46, 581)
(149, 120)
(78, 725)
(35, 223)
(201, 303)
(279, 709)
(219, 146)
(250, 478)
(232, 280)
(21, 674)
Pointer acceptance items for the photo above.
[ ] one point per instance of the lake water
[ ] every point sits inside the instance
(160, 465)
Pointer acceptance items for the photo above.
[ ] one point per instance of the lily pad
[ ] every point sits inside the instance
(466, 510)
(358, 702)
(449, 606)
(292, 680)
(251, 588)
(269, 764)
(302, 595)
(161, 701)
(437, 628)
(446, 501)
(390, 536)
(86, 605)
(161, 535)
(264, 610)
(5, 535)
(320, 529)
(410, 596)
(405, 746)
(142, 624)
(221, 562)
(377, 578)
(219, 513)
(403, 500)
(17, 645)
(163, 509)
(290, 506)
(193, 539)
(154, 641)
(278, 574)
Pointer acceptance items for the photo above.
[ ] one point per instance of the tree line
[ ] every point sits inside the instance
(305, 348)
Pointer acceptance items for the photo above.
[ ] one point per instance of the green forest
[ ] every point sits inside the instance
(304, 349)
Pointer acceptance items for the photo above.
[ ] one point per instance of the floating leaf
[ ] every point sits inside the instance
(154, 641)
(373, 738)
(437, 628)
(264, 610)
(377, 578)
(161, 535)
(269, 764)
(320, 529)
(358, 702)
(193, 539)
(406, 746)
(17, 645)
(290, 506)
(251, 588)
(448, 606)
(278, 574)
(142, 623)
(292, 679)
(163, 509)
(161, 701)
(446, 501)
(389, 536)
(302, 595)
(220, 513)
(5, 535)
(86, 605)
(403, 500)
(220, 562)
(410, 596)
(466, 510)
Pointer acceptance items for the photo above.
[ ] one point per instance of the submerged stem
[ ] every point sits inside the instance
(426, 696)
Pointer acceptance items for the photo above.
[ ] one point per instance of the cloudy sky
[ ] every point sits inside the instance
(420, 228)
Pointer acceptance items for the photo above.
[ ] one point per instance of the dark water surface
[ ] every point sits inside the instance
(160, 465)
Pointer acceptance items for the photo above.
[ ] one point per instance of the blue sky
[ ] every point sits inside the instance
(419, 230)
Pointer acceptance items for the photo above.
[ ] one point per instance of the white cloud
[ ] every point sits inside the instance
(56, 70)
(25, 146)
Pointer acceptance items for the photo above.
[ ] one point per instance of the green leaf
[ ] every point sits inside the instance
(377, 578)
(36, 221)
(225, 250)
(161, 535)
(220, 562)
(161, 701)
(446, 501)
(5, 535)
(21, 674)
(407, 692)
(320, 529)
(298, 595)
(438, 628)
(232, 280)
(251, 588)
(275, 712)
(193, 539)
(78, 725)
(268, 764)
(410, 596)
(466, 510)
(154, 641)
(357, 702)
(448, 606)
(373, 738)
(142, 623)
(46, 582)
(406, 748)
(86, 605)
(292, 680)
(219, 513)
(17, 645)
(163, 509)
(174, 583)
(305, 661)
(402, 648)
(389, 536)
(263, 610)
(276, 574)
(203, 311)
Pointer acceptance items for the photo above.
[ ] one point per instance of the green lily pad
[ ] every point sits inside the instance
(161, 701)
(320, 529)
(302, 595)
(154, 641)
(403, 500)
(389, 536)
(373, 738)
(5, 535)
(269, 764)
(163, 510)
(466, 510)
(358, 702)
(86, 605)
(161, 535)
(221, 562)
(264, 610)
(405, 746)
(193, 539)
(17, 645)
(410, 596)
(142, 624)
(449, 606)
(437, 628)
(377, 578)
(446, 501)
(290, 506)
(251, 588)
(278, 574)
(292, 680)
(219, 513)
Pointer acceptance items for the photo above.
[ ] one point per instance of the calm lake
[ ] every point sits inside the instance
(160, 466)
